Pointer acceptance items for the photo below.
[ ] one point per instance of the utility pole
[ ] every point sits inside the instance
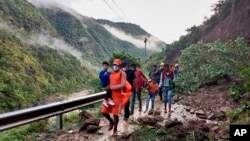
(145, 41)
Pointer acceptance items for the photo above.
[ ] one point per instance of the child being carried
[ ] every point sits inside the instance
(104, 77)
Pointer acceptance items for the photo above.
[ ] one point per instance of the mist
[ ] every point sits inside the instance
(152, 42)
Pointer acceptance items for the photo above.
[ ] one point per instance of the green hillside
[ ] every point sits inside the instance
(30, 74)
(24, 16)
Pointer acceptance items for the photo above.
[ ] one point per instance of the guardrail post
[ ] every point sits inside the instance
(59, 120)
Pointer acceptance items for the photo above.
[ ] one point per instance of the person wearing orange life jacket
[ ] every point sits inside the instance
(166, 81)
(152, 92)
(140, 78)
(116, 85)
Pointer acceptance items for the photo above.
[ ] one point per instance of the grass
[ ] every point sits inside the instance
(25, 132)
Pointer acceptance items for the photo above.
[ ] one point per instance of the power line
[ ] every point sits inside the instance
(113, 10)
(121, 10)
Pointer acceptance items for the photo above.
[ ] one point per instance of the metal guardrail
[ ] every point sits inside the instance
(21, 117)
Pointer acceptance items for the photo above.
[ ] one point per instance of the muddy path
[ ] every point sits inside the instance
(179, 112)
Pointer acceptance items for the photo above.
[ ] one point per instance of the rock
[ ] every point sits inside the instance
(188, 109)
(169, 124)
(211, 116)
(85, 115)
(192, 111)
(202, 116)
(100, 133)
(175, 98)
(215, 128)
(184, 116)
(220, 116)
(150, 112)
(200, 112)
(92, 121)
(86, 136)
(159, 118)
(156, 112)
(225, 109)
(92, 128)
(123, 136)
(147, 120)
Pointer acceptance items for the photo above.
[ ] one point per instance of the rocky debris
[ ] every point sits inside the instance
(188, 109)
(150, 112)
(91, 124)
(170, 123)
(92, 121)
(85, 115)
(175, 98)
(225, 109)
(159, 118)
(215, 129)
(92, 128)
(156, 112)
(211, 116)
(201, 114)
(192, 111)
(147, 120)
(220, 115)
(100, 133)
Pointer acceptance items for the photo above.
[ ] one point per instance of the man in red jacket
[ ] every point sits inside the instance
(139, 81)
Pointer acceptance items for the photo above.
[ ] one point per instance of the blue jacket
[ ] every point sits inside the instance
(104, 77)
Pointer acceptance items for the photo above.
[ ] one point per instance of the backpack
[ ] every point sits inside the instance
(126, 92)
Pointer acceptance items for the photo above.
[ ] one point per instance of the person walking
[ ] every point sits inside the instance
(138, 84)
(152, 73)
(158, 76)
(166, 81)
(116, 85)
(152, 91)
(130, 75)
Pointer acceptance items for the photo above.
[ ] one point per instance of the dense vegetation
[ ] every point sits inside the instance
(24, 16)
(28, 75)
(203, 62)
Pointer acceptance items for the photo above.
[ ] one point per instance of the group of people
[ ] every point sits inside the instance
(161, 81)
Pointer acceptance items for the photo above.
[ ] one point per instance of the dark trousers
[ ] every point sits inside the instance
(108, 94)
(160, 93)
(126, 110)
(133, 100)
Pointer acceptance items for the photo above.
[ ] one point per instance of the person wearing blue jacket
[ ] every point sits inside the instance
(104, 77)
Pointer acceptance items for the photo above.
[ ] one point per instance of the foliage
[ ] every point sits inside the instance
(125, 57)
(24, 16)
(28, 75)
(22, 133)
(204, 62)
(144, 133)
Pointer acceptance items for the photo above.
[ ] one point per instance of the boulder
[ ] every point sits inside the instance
(156, 112)
(220, 115)
(150, 112)
(92, 121)
(159, 118)
(201, 114)
(92, 128)
(147, 120)
(85, 115)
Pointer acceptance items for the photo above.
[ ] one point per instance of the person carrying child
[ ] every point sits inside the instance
(104, 77)
(152, 88)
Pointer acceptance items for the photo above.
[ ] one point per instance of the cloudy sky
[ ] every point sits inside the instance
(165, 19)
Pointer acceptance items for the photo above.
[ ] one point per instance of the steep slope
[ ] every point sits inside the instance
(90, 37)
(30, 71)
(234, 25)
(24, 16)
